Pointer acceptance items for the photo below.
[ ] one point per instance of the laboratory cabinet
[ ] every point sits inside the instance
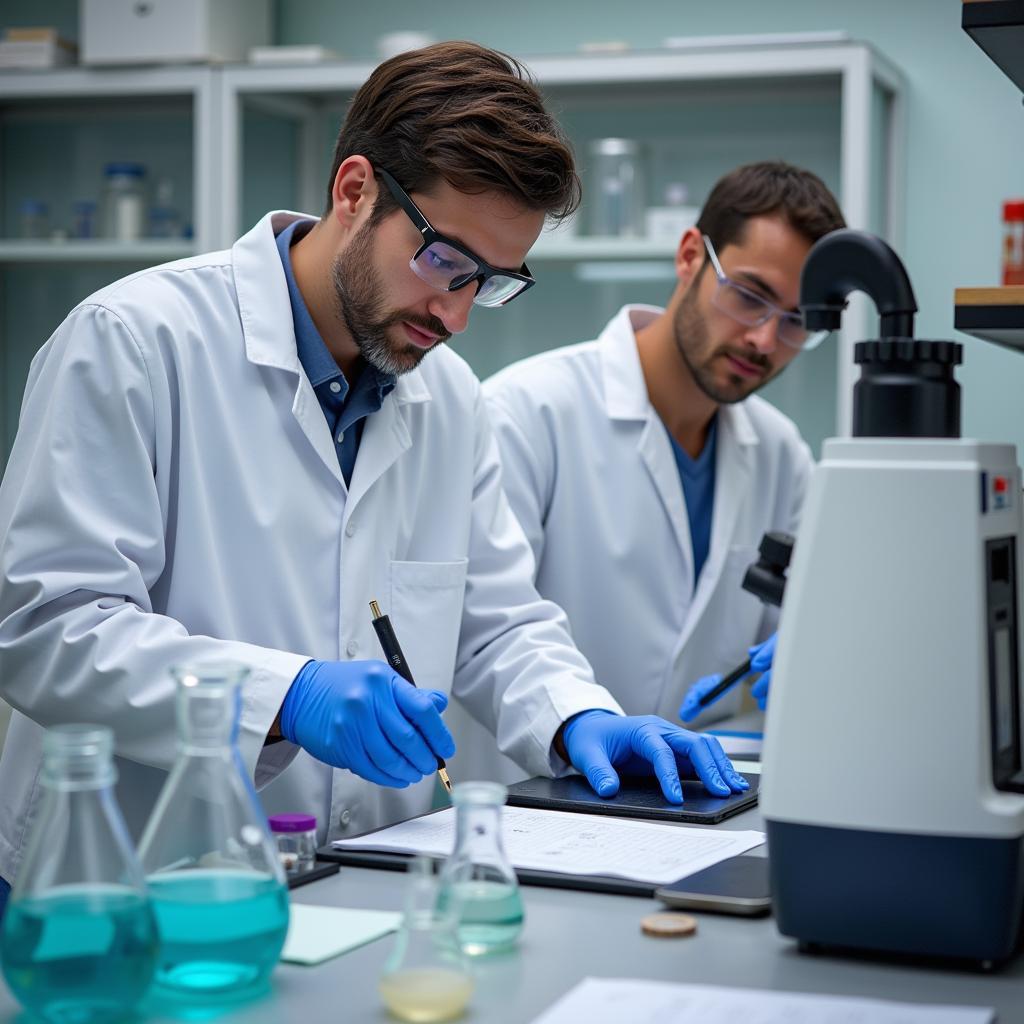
(238, 140)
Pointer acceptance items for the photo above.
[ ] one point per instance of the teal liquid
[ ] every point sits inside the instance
(221, 931)
(491, 917)
(79, 954)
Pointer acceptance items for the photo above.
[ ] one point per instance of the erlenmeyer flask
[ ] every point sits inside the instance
(478, 874)
(216, 882)
(426, 978)
(79, 942)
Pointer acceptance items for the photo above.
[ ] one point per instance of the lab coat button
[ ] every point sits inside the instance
(350, 529)
(344, 818)
(351, 647)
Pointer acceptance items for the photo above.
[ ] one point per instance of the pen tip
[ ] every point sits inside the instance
(375, 608)
(445, 781)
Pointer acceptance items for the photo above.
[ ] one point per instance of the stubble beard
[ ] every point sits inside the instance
(357, 293)
(690, 331)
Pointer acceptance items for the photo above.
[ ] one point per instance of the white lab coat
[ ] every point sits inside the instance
(174, 495)
(590, 473)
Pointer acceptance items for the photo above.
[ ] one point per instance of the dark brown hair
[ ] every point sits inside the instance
(770, 188)
(465, 114)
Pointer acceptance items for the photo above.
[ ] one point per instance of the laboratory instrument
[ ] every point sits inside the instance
(213, 870)
(893, 788)
(738, 885)
(79, 941)
(295, 835)
(478, 875)
(426, 977)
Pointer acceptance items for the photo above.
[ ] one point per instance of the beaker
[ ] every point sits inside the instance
(478, 875)
(212, 867)
(426, 977)
(79, 941)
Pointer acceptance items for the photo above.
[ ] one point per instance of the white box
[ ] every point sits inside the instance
(171, 31)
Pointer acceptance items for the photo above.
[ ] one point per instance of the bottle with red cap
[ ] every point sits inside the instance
(1013, 242)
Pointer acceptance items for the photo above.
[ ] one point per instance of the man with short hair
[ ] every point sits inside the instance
(228, 457)
(643, 468)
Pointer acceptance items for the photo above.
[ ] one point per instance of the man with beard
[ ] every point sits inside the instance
(229, 457)
(645, 471)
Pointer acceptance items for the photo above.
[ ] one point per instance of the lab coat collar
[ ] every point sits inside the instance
(625, 390)
(265, 309)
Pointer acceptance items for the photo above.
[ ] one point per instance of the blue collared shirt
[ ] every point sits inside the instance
(345, 407)
(698, 479)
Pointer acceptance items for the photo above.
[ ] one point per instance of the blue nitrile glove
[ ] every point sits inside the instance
(760, 661)
(362, 716)
(599, 742)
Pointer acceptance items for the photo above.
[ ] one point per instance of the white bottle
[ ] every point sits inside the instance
(667, 223)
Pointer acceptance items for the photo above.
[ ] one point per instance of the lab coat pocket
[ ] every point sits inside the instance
(426, 611)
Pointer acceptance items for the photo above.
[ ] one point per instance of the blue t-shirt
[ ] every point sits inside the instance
(698, 479)
(346, 408)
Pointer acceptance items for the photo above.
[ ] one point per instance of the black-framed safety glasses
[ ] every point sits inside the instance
(747, 307)
(448, 265)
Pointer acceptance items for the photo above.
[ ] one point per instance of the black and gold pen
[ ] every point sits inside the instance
(396, 659)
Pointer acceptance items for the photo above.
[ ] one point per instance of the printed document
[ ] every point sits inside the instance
(575, 844)
(613, 1000)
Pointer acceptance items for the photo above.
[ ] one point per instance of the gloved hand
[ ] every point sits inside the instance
(599, 742)
(363, 716)
(760, 661)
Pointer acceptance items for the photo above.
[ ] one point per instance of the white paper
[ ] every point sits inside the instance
(318, 933)
(735, 745)
(613, 1000)
(575, 844)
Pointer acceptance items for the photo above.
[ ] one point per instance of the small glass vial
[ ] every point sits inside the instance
(478, 876)
(124, 201)
(1013, 242)
(33, 219)
(296, 840)
(426, 977)
(78, 941)
(83, 218)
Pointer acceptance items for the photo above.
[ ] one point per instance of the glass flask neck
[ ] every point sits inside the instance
(478, 815)
(78, 757)
(209, 705)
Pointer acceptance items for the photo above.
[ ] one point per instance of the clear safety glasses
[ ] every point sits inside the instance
(747, 307)
(448, 265)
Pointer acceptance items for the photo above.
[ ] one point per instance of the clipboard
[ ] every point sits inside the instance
(388, 861)
(638, 797)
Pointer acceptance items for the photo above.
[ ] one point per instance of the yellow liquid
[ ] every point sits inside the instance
(424, 995)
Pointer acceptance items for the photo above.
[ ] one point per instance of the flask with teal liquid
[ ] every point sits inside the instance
(79, 941)
(213, 872)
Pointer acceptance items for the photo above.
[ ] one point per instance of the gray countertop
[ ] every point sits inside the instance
(569, 935)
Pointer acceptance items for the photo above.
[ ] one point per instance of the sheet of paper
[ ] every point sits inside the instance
(613, 1000)
(318, 933)
(737, 743)
(575, 844)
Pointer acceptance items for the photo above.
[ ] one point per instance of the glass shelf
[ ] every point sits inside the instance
(94, 250)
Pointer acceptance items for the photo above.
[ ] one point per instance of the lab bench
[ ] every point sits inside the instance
(569, 935)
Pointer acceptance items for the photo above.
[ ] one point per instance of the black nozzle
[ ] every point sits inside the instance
(846, 261)
(766, 578)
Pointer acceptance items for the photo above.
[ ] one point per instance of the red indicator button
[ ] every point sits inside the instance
(1000, 485)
